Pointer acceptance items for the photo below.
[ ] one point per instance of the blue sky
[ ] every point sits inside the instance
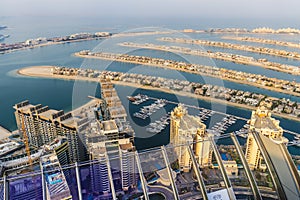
(154, 8)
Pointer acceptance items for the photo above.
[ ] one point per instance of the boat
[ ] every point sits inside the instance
(2, 37)
(130, 98)
(140, 115)
(2, 27)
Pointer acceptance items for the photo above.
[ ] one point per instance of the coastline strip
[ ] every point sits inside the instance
(245, 60)
(127, 34)
(219, 73)
(254, 49)
(46, 72)
(263, 41)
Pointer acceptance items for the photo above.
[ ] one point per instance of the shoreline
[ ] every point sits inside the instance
(263, 41)
(49, 44)
(239, 47)
(223, 58)
(129, 34)
(45, 72)
(193, 72)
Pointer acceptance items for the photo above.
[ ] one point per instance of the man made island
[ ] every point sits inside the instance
(284, 108)
(245, 60)
(256, 80)
(261, 50)
(77, 37)
(263, 41)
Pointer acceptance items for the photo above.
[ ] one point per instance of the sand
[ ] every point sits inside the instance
(45, 72)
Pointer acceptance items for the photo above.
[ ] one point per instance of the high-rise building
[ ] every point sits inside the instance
(38, 121)
(113, 102)
(261, 122)
(98, 170)
(202, 147)
(128, 165)
(114, 108)
(43, 125)
(187, 129)
(57, 186)
(122, 165)
(63, 152)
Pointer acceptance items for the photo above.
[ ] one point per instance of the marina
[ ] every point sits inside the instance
(147, 111)
(219, 129)
(138, 99)
(159, 125)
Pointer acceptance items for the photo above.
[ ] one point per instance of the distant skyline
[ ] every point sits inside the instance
(155, 8)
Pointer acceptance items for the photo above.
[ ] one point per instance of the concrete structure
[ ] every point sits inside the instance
(128, 165)
(187, 129)
(114, 105)
(43, 125)
(98, 170)
(57, 186)
(262, 123)
(231, 167)
(39, 122)
(124, 169)
(164, 176)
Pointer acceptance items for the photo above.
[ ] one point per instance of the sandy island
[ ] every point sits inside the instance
(194, 72)
(46, 72)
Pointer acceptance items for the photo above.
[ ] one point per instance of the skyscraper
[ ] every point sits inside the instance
(39, 122)
(98, 170)
(262, 123)
(43, 125)
(123, 165)
(57, 186)
(128, 165)
(187, 129)
(114, 108)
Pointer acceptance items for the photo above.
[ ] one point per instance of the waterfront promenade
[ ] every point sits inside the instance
(245, 60)
(47, 72)
(260, 81)
(254, 49)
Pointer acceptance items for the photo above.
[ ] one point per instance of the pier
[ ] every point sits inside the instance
(221, 113)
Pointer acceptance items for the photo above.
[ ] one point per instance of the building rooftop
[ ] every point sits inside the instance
(265, 122)
(55, 180)
(47, 115)
(24, 106)
(189, 122)
(127, 146)
(117, 112)
(7, 147)
(109, 126)
(98, 149)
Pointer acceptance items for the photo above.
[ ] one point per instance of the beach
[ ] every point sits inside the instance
(250, 61)
(45, 72)
(195, 72)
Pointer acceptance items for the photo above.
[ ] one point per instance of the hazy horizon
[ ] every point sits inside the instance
(268, 9)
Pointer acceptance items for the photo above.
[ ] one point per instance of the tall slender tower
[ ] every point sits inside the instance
(188, 130)
(262, 123)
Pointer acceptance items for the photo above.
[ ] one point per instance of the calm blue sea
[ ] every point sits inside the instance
(61, 94)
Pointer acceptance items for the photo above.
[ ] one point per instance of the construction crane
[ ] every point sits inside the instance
(25, 140)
